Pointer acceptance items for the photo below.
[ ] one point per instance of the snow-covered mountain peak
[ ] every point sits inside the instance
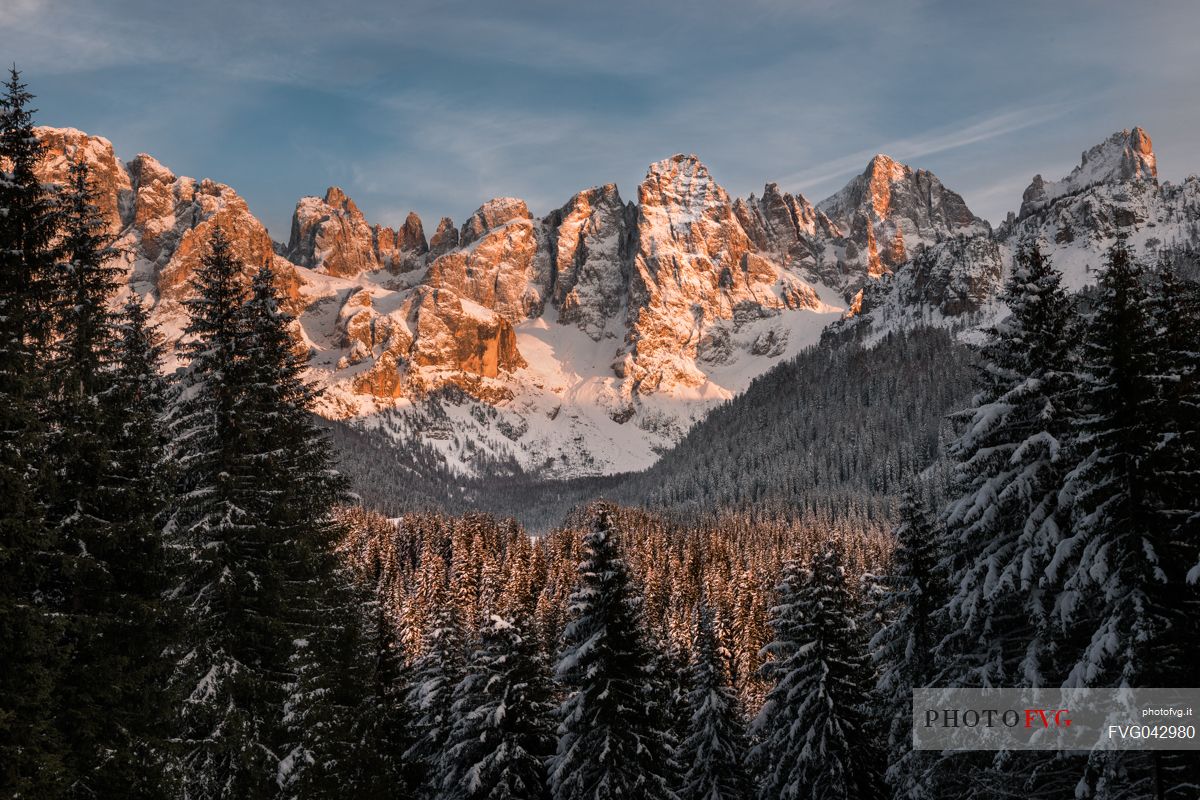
(1125, 157)
(890, 209)
(492, 214)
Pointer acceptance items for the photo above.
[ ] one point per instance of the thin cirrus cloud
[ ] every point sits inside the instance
(929, 143)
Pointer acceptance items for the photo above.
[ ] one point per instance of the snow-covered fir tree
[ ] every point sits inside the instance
(374, 768)
(613, 739)
(503, 731)
(30, 566)
(108, 493)
(713, 754)
(814, 737)
(906, 613)
(1004, 523)
(433, 677)
(317, 605)
(1125, 595)
(232, 668)
(1175, 309)
(1123, 572)
(137, 492)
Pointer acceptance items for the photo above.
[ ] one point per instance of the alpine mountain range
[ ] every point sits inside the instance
(588, 339)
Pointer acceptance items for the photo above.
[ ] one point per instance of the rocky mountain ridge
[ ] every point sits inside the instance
(588, 340)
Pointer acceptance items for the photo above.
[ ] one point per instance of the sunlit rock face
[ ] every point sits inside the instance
(501, 263)
(332, 236)
(444, 239)
(451, 332)
(889, 210)
(110, 177)
(433, 338)
(791, 229)
(694, 266)
(160, 222)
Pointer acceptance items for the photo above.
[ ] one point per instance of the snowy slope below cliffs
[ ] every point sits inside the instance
(567, 416)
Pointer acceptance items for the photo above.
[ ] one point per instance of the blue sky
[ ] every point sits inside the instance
(438, 106)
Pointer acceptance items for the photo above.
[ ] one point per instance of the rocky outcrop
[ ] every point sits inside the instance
(401, 250)
(502, 263)
(197, 207)
(888, 211)
(694, 266)
(590, 241)
(444, 239)
(457, 334)
(332, 236)
(1113, 193)
(162, 222)
(791, 228)
(1125, 157)
(432, 339)
(110, 176)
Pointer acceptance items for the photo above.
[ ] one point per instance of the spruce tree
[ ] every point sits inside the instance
(813, 737)
(1004, 523)
(613, 739)
(433, 677)
(1126, 597)
(1124, 574)
(30, 560)
(503, 731)
(1176, 309)
(382, 730)
(232, 668)
(907, 606)
(105, 442)
(142, 625)
(714, 751)
(78, 291)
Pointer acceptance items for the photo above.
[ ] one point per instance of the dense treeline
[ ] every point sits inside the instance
(731, 563)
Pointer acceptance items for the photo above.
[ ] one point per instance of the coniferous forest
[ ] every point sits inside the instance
(197, 602)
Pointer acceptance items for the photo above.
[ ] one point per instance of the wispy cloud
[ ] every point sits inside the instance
(963, 134)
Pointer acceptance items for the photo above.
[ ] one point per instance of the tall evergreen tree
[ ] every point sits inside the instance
(30, 562)
(107, 494)
(1004, 524)
(1124, 574)
(1126, 597)
(813, 738)
(908, 602)
(430, 696)
(232, 670)
(382, 730)
(1176, 308)
(713, 754)
(318, 606)
(141, 624)
(612, 738)
(503, 731)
